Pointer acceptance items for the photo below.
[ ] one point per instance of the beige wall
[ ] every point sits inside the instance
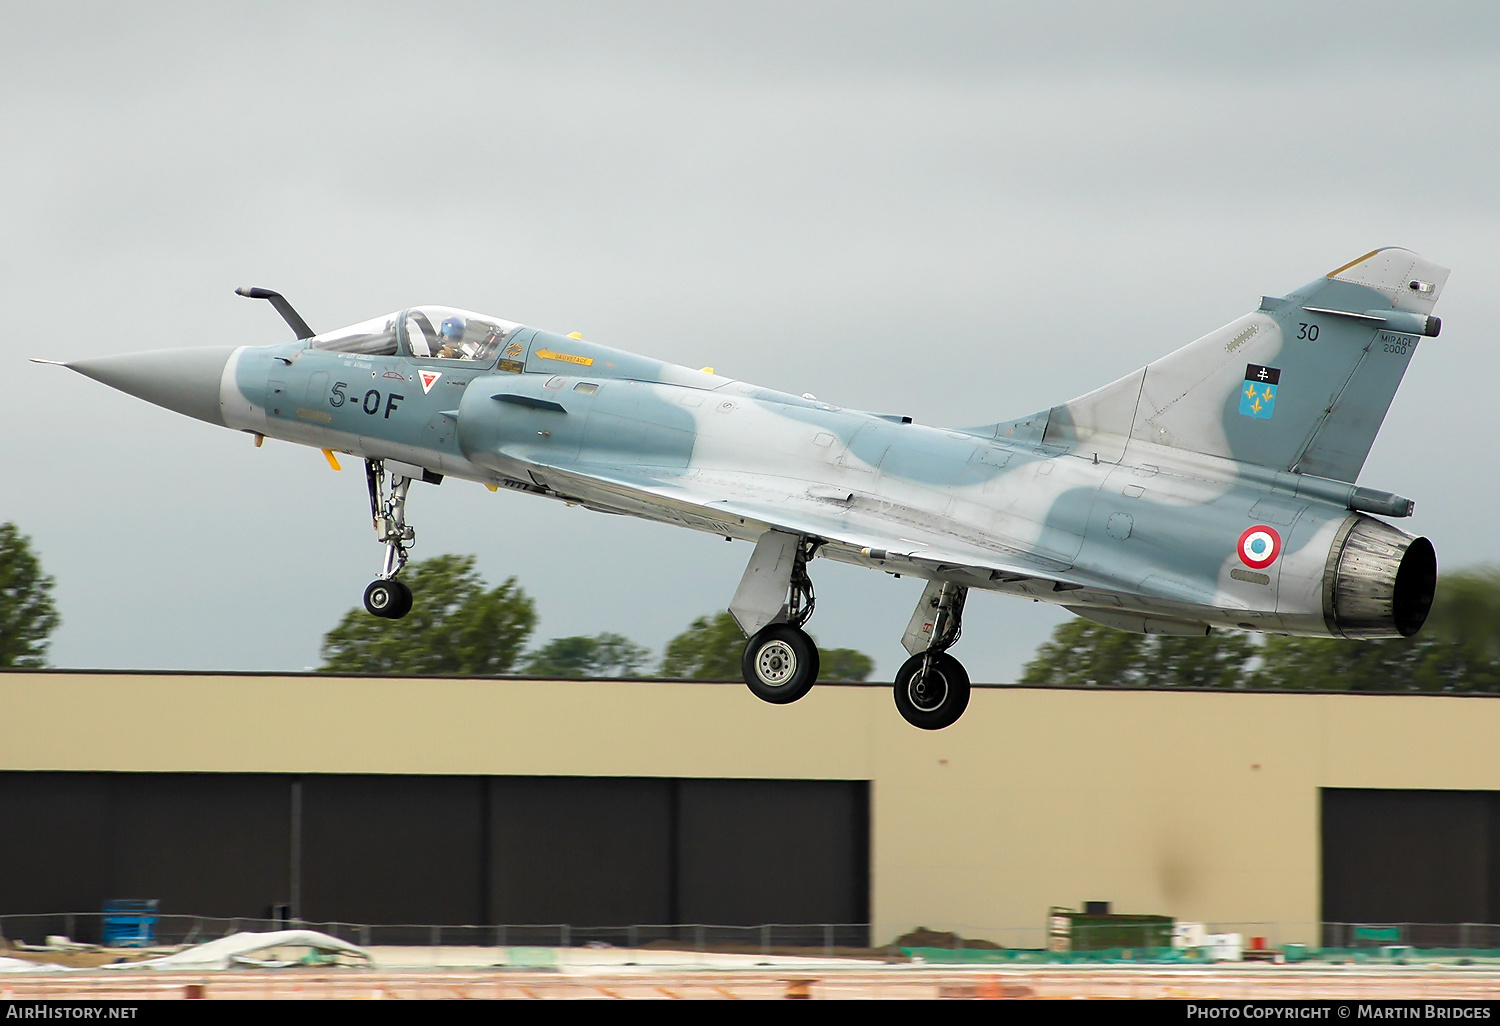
(1199, 806)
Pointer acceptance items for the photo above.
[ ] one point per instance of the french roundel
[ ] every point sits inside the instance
(1259, 547)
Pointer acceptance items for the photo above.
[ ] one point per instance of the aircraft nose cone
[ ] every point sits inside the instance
(185, 380)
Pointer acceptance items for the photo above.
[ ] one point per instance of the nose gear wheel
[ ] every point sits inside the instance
(390, 599)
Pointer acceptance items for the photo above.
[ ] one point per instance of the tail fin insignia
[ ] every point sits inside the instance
(1258, 397)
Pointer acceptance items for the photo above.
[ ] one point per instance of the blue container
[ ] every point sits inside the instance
(129, 923)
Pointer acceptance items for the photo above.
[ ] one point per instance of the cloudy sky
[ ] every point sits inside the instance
(961, 212)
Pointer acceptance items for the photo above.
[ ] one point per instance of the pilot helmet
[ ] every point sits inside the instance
(452, 330)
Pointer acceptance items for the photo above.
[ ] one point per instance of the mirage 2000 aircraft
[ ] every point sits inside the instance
(1212, 489)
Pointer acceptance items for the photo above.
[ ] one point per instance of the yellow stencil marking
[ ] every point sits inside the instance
(705, 370)
(582, 361)
(577, 335)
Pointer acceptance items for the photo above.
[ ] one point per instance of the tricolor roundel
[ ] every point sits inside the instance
(1259, 546)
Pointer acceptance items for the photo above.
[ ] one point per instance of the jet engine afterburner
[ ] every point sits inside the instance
(1378, 582)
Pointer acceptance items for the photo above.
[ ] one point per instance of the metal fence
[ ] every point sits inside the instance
(169, 930)
(172, 930)
(1424, 936)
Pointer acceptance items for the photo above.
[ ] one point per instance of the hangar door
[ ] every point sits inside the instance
(388, 849)
(1412, 856)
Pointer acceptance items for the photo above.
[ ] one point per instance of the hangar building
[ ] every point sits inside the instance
(606, 803)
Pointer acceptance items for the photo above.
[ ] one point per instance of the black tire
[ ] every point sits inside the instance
(404, 607)
(780, 664)
(940, 699)
(384, 598)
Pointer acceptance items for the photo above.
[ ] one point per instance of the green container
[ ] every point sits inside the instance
(1097, 933)
(1294, 952)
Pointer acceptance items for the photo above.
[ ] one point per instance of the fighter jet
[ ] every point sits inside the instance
(1213, 489)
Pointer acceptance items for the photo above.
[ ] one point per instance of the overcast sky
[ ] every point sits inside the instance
(961, 212)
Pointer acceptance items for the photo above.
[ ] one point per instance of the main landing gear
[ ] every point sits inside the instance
(387, 596)
(780, 664)
(932, 687)
(774, 599)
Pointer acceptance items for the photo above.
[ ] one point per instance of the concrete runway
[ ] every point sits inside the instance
(809, 978)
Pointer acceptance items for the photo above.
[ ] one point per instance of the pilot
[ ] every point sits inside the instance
(450, 339)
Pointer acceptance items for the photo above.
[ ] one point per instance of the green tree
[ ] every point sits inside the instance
(1084, 653)
(455, 626)
(1339, 664)
(27, 614)
(1460, 644)
(1458, 649)
(1216, 661)
(711, 649)
(603, 655)
(844, 664)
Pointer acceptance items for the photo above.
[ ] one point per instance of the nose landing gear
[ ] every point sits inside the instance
(387, 596)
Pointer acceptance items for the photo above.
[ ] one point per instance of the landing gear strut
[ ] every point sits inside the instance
(780, 663)
(387, 596)
(932, 687)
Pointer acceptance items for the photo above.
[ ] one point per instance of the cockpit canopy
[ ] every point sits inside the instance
(423, 332)
(367, 338)
(442, 333)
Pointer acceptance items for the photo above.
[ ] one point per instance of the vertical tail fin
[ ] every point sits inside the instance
(1301, 384)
